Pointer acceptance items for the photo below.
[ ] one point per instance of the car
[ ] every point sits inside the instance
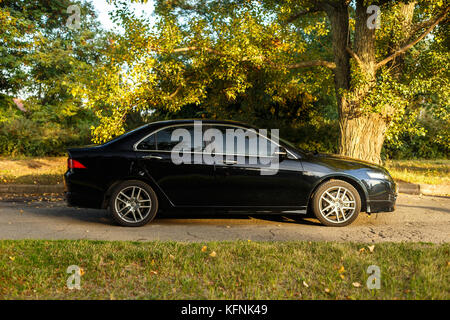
(140, 172)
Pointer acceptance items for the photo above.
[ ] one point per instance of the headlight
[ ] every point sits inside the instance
(377, 175)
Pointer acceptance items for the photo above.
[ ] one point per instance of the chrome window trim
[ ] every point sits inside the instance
(218, 124)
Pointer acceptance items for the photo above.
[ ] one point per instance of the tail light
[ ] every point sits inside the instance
(74, 164)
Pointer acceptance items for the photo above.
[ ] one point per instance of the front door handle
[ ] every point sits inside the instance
(152, 157)
(230, 161)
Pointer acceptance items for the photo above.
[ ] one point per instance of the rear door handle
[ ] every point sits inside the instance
(152, 157)
(230, 161)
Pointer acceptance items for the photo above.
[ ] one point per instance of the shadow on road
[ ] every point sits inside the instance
(168, 217)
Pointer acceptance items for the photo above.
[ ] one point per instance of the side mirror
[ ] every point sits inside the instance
(281, 153)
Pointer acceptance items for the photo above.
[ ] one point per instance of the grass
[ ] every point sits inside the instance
(420, 171)
(46, 170)
(49, 170)
(36, 269)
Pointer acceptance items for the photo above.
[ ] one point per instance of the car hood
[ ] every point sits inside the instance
(343, 162)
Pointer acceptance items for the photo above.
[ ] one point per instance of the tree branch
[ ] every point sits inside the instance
(186, 49)
(312, 63)
(304, 64)
(301, 13)
(355, 56)
(411, 44)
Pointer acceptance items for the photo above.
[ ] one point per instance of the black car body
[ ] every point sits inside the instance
(137, 156)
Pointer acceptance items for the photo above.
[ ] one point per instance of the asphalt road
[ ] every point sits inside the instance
(416, 218)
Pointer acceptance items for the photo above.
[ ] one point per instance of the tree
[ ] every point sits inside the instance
(208, 51)
(40, 61)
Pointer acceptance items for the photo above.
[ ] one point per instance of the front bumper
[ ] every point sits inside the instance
(382, 195)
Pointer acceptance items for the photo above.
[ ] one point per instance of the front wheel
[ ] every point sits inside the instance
(336, 203)
(133, 203)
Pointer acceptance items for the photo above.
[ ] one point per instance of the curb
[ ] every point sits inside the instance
(422, 188)
(31, 188)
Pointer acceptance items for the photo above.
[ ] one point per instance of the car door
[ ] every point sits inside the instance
(247, 178)
(185, 184)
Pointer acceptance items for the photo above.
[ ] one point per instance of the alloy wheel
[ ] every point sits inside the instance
(133, 204)
(337, 204)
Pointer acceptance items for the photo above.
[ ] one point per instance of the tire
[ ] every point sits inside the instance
(133, 203)
(336, 203)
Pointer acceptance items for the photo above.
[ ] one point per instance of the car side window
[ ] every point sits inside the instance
(162, 140)
(246, 142)
(148, 143)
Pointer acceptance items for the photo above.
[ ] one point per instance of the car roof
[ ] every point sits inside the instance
(164, 123)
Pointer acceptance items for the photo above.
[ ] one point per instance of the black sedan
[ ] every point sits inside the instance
(160, 166)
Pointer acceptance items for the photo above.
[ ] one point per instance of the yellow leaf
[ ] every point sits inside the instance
(356, 284)
(327, 290)
(154, 272)
(12, 258)
(342, 276)
(341, 270)
(212, 254)
(305, 284)
(371, 248)
(204, 248)
(82, 272)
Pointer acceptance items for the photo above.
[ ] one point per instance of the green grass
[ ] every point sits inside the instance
(36, 269)
(46, 170)
(420, 171)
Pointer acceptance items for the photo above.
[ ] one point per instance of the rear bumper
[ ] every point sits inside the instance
(78, 194)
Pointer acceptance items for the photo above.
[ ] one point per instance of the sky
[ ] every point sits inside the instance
(103, 8)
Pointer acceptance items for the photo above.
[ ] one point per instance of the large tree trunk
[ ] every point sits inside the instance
(362, 137)
(361, 133)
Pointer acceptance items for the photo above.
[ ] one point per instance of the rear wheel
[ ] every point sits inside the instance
(336, 203)
(133, 203)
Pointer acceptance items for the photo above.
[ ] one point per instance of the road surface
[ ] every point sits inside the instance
(416, 218)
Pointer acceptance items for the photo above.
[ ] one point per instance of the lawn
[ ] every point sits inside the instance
(46, 170)
(36, 269)
(420, 171)
(49, 170)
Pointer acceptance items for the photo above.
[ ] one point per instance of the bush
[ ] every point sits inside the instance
(28, 138)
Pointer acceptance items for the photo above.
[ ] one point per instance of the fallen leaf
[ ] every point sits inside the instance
(12, 258)
(154, 272)
(341, 270)
(212, 254)
(362, 250)
(82, 272)
(356, 284)
(171, 256)
(305, 284)
(342, 276)
(204, 248)
(327, 290)
(371, 248)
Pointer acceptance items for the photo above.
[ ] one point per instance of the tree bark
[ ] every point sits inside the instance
(361, 133)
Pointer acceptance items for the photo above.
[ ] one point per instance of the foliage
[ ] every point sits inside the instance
(41, 60)
(242, 59)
